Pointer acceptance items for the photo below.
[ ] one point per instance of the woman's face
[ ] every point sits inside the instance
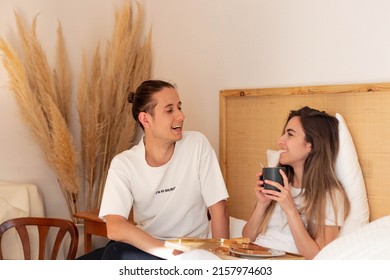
(294, 147)
(168, 119)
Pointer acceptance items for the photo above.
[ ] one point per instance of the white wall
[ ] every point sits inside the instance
(205, 46)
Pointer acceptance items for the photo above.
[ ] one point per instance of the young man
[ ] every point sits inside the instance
(170, 180)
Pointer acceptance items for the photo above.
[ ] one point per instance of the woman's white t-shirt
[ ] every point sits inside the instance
(278, 234)
(169, 201)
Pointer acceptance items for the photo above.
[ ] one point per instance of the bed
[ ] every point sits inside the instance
(251, 121)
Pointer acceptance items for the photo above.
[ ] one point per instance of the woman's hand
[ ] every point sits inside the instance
(261, 196)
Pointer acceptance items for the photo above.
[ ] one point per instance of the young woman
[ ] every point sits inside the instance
(170, 180)
(311, 206)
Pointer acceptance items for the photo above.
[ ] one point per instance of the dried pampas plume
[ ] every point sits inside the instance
(34, 89)
(106, 126)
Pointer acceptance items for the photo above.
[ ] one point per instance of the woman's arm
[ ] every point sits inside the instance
(306, 245)
(120, 229)
(250, 229)
(219, 220)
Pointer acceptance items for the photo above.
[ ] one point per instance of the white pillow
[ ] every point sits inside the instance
(235, 227)
(350, 175)
(371, 242)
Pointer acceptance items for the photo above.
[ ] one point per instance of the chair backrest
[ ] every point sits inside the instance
(43, 225)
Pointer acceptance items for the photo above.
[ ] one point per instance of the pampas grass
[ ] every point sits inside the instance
(62, 76)
(33, 85)
(106, 125)
(63, 157)
(29, 103)
(122, 73)
(91, 121)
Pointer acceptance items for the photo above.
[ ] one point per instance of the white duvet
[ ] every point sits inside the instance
(371, 242)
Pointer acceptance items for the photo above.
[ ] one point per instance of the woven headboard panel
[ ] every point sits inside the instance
(251, 120)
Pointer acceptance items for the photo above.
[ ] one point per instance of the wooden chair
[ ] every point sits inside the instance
(24, 227)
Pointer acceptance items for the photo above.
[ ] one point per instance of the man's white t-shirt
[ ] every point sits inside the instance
(169, 201)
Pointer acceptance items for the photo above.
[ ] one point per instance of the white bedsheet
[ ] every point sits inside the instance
(371, 242)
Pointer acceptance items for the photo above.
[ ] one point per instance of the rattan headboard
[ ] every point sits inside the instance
(251, 120)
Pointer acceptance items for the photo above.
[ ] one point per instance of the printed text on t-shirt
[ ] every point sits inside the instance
(166, 190)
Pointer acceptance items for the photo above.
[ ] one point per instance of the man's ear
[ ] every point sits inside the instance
(143, 118)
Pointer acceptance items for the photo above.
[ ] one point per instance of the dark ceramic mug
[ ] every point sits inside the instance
(272, 174)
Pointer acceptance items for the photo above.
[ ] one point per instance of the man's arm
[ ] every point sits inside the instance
(219, 220)
(120, 229)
